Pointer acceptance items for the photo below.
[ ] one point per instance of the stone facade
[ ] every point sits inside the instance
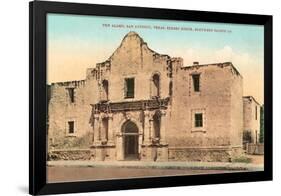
(146, 106)
(251, 112)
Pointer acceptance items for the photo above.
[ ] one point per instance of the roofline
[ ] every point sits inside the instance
(228, 63)
(133, 33)
(66, 82)
(250, 96)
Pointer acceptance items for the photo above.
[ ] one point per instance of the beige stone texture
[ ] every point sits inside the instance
(251, 111)
(156, 124)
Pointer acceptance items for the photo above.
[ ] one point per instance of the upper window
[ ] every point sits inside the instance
(198, 120)
(196, 82)
(70, 127)
(104, 95)
(155, 90)
(129, 87)
(71, 94)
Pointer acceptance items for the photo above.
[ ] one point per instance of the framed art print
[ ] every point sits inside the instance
(130, 97)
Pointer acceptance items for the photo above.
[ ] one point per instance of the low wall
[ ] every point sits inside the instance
(221, 154)
(200, 154)
(69, 154)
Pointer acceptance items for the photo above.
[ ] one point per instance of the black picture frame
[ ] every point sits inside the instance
(38, 97)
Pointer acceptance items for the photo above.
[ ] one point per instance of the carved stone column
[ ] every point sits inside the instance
(147, 127)
(103, 128)
(163, 127)
(96, 129)
(162, 151)
(119, 147)
(146, 154)
(96, 149)
(99, 150)
(110, 129)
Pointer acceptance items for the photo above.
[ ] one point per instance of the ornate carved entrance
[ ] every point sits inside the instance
(131, 138)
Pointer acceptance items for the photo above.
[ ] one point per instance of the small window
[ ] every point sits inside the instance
(199, 120)
(70, 127)
(71, 94)
(196, 82)
(129, 87)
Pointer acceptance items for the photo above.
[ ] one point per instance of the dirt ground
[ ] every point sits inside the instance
(256, 159)
(64, 174)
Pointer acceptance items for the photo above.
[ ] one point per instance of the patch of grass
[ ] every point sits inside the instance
(242, 159)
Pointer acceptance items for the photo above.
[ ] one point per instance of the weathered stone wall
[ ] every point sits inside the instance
(112, 147)
(74, 154)
(61, 110)
(236, 115)
(251, 119)
(219, 100)
(132, 59)
(200, 154)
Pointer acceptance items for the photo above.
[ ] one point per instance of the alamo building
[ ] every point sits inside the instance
(141, 105)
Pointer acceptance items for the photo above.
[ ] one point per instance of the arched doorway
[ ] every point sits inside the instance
(131, 140)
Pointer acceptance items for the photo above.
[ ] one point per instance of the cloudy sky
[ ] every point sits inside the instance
(76, 43)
